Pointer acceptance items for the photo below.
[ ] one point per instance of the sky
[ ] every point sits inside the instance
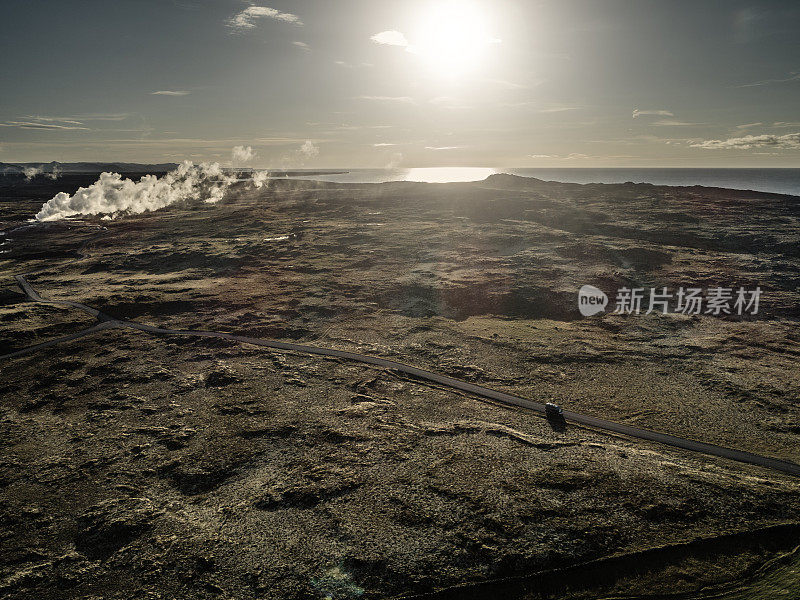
(346, 83)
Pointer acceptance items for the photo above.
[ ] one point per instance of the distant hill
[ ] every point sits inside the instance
(84, 167)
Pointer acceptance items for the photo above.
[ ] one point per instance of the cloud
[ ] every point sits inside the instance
(574, 156)
(789, 141)
(41, 126)
(347, 127)
(674, 123)
(104, 117)
(557, 109)
(443, 147)
(348, 65)
(390, 38)
(247, 18)
(786, 124)
(405, 99)
(170, 93)
(748, 125)
(69, 121)
(175, 146)
(794, 76)
(308, 149)
(538, 107)
(242, 154)
(383, 144)
(302, 46)
(657, 113)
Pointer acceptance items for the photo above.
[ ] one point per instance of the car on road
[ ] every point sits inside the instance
(553, 411)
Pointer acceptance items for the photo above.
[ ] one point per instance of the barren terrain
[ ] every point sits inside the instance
(133, 464)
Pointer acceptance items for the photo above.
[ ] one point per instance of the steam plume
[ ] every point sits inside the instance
(31, 172)
(260, 178)
(242, 154)
(114, 196)
(308, 149)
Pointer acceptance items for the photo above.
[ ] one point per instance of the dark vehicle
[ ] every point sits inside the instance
(553, 411)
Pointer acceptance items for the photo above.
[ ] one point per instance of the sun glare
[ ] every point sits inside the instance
(452, 38)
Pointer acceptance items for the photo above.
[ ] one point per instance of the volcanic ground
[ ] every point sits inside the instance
(135, 465)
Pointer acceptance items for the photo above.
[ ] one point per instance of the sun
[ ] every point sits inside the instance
(452, 38)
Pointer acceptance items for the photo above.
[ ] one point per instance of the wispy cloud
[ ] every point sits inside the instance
(556, 109)
(161, 146)
(789, 141)
(390, 38)
(347, 65)
(443, 147)
(793, 76)
(99, 123)
(674, 123)
(748, 125)
(402, 99)
(247, 18)
(538, 107)
(45, 126)
(101, 117)
(658, 113)
(62, 120)
(578, 156)
(170, 93)
(383, 144)
(302, 46)
(349, 127)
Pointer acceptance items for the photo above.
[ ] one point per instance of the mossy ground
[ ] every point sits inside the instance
(182, 467)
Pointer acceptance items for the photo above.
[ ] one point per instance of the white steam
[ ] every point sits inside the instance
(298, 157)
(260, 178)
(395, 161)
(308, 149)
(31, 172)
(242, 154)
(112, 195)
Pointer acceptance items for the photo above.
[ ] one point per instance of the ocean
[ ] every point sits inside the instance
(781, 181)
